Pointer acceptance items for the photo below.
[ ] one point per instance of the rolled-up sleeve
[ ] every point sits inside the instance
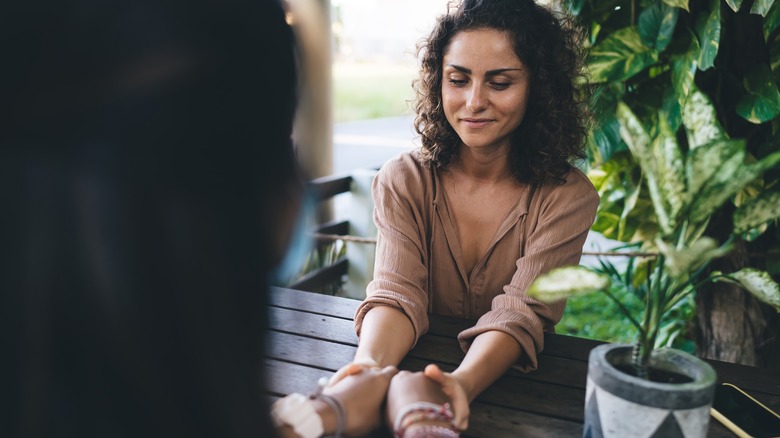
(565, 214)
(400, 273)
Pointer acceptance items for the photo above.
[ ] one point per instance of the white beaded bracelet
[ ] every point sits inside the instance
(338, 407)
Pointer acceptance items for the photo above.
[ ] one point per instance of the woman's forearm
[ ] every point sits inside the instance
(490, 356)
(386, 336)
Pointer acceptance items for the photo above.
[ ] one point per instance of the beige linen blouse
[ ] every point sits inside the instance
(419, 266)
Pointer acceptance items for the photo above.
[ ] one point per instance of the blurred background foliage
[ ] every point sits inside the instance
(702, 69)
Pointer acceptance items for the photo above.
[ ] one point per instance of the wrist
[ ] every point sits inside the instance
(422, 414)
(368, 360)
(463, 378)
(327, 415)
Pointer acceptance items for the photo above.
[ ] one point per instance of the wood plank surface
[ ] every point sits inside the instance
(311, 336)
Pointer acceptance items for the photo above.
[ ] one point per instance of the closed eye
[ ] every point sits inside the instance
(458, 82)
(500, 85)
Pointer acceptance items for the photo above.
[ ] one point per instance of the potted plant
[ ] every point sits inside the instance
(638, 389)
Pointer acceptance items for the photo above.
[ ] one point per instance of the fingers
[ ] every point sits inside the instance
(357, 367)
(435, 373)
(454, 390)
(461, 411)
(340, 374)
(389, 371)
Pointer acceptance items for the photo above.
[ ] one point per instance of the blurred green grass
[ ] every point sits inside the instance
(368, 91)
(595, 316)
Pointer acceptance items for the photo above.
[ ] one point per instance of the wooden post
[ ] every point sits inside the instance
(313, 133)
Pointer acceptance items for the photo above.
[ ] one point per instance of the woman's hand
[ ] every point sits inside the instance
(362, 390)
(454, 389)
(433, 386)
(354, 367)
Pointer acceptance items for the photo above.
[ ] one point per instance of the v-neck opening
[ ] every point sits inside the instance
(452, 235)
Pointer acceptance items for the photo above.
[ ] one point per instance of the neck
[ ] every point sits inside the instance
(488, 166)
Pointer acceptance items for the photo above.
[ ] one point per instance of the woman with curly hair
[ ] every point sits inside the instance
(487, 204)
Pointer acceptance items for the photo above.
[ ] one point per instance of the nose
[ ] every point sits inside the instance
(476, 100)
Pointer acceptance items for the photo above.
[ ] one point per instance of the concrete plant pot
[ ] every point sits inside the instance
(618, 404)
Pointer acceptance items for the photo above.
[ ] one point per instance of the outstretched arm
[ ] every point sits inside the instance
(386, 337)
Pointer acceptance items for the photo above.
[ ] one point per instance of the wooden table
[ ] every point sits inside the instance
(313, 335)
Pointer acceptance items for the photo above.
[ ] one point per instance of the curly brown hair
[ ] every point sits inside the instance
(553, 132)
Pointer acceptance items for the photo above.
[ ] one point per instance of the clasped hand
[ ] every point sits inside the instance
(363, 399)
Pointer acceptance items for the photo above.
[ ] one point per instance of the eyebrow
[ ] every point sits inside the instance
(488, 73)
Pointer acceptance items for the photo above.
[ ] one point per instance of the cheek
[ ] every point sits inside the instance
(448, 102)
(516, 105)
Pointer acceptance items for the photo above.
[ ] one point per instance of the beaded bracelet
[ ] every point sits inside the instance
(334, 403)
(431, 431)
(421, 411)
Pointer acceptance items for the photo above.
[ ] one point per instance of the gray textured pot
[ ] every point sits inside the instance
(621, 405)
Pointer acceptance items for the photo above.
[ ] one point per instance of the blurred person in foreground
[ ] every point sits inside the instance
(148, 181)
(489, 202)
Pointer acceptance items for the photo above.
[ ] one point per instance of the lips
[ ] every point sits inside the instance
(476, 123)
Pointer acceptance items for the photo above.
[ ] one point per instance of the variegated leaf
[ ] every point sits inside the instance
(704, 162)
(628, 206)
(734, 4)
(701, 120)
(640, 144)
(682, 4)
(620, 56)
(730, 178)
(634, 133)
(670, 172)
(761, 7)
(708, 29)
(683, 70)
(656, 25)
(681, 262)
(566, 282)
(757, 212)
(762, 100)
(758, 283)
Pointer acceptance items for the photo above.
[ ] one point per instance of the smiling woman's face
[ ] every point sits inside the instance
(485, 88)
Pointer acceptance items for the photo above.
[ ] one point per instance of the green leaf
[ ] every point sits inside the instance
(567, 282)
(708, 30)
(671, 109)
(730, 179)
(575, 6)
(734, 4)
(704, 162)
(761, 7)
(670, 172)
(683, 70)
(606, 137)
(758, 283)
(701, 120)
(757, 212)
(620, 56)
(680, 263)
(656, 25)
(641, 146)
(771, 21)
(774, 58)
(628, 207)
(762, 100)
(682, 4)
